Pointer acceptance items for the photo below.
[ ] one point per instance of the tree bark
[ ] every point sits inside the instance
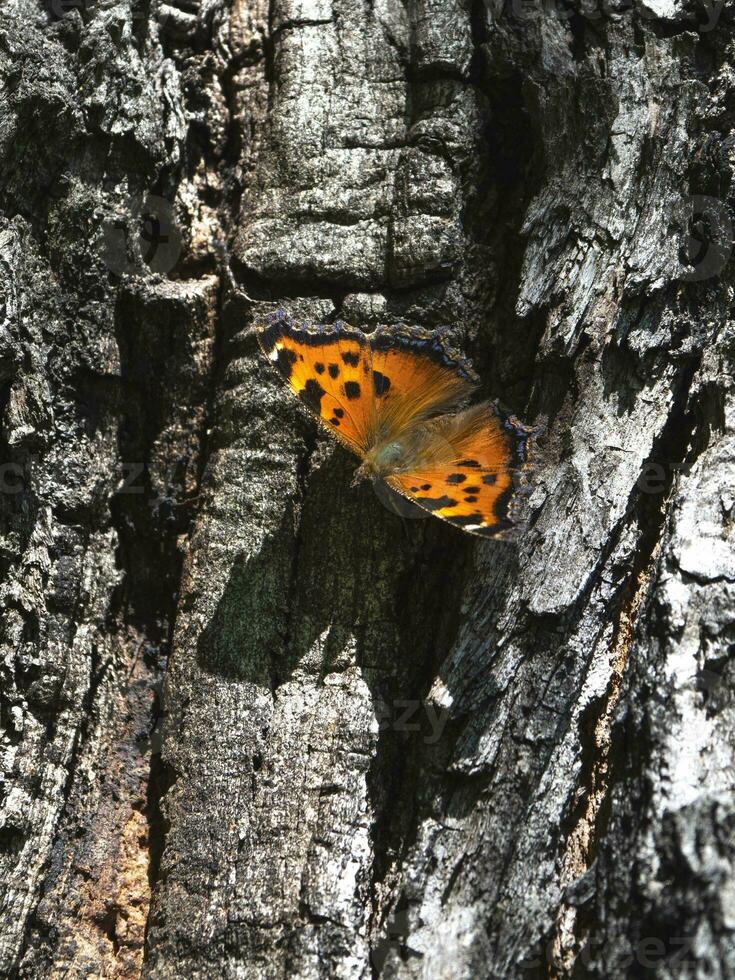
(252, 723)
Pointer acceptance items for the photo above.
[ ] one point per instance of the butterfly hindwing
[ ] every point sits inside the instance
(474, 472)
(328, 367)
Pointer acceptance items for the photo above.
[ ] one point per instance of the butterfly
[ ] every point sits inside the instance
(397, 399)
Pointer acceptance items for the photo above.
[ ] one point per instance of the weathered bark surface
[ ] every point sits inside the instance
(252, 726)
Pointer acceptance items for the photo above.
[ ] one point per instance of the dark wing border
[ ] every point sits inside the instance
(427, 343)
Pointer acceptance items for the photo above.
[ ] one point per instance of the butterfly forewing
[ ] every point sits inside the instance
(414, 377)
(328, 366)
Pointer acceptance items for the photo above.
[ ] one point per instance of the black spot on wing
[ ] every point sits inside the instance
(381, 383)
(491, 530)
(312, 393)
(334, 421)
(436, 503)
(319, 367)
(489, 479)
(351, 359)
(470, 464)
(352, 389)
(466, 520)
(426, 486)
(285, 361)
(333, 370)
(471, 499)
(339, 412)
(456, 478)
(471, 489)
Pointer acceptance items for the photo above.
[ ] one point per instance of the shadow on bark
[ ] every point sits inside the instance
(388, 616)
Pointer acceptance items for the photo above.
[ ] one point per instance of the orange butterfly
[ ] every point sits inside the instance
(394, 398)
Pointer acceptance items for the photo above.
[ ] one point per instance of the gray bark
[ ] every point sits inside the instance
(252, 725)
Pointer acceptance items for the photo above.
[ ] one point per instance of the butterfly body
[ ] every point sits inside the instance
(381, 460)
(396, 398)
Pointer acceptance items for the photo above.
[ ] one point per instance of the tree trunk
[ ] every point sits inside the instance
(253, 724)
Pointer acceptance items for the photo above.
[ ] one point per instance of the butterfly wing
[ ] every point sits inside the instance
(328, 367)
(415, 376)
(471, 471)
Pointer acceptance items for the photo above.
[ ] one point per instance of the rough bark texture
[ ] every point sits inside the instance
(251, 725)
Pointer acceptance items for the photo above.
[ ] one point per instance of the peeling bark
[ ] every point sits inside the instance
(252, 724)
